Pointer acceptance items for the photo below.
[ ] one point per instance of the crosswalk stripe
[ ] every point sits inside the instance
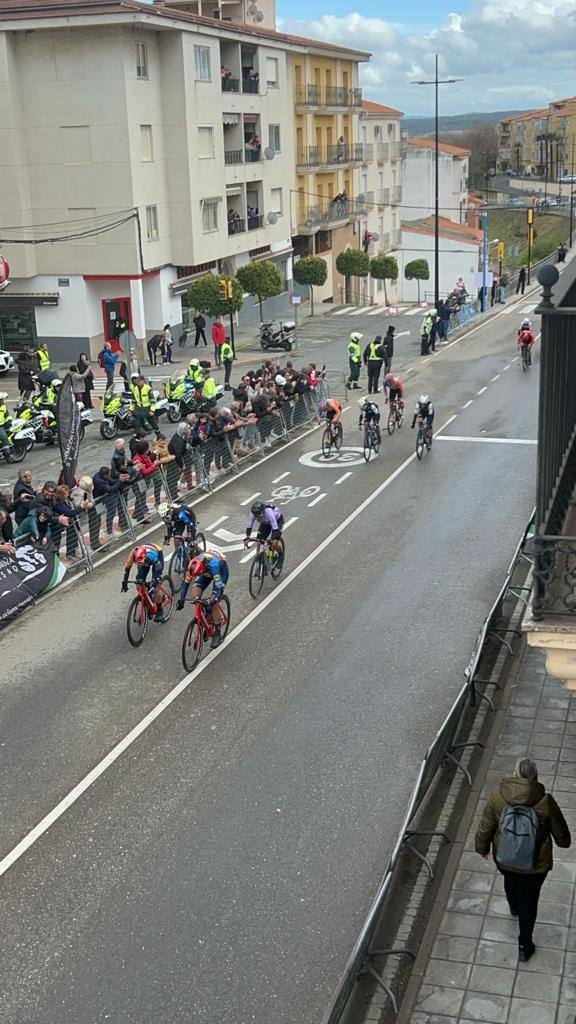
(339, 312)
(356, 312)
(529, 309)
(100, 383)
(379, 311)
(414, 312)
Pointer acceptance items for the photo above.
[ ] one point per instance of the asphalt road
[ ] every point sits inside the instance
(218, 869)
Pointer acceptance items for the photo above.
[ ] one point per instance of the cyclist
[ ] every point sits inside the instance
(369, 414)
(395, 390)
(178, 520)
(526, 338)
(425, 411)
(210, 567)
(526, 325)
(270, 521)
(332, 410)
(146, 557)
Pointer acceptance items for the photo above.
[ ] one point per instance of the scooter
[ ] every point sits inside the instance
(118, 411)
(277, 334)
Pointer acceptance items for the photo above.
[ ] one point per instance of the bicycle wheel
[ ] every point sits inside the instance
(391, 422)
(376, 442)
(137, 621)
(200, 540)
(367, 445)
(326, 442)
(420, 443)
(224, 605)
(166, 588)
(177, 569)
(256, 577)
(192, 645)
(279, 563)
(399, 419)
(339, 437)
(525, 363)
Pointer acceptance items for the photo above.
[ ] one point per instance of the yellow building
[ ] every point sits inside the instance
(326, 211)
(539, 143)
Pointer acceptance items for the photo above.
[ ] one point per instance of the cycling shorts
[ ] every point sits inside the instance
(179, 528)
(395, 395)
(331, 413)
(206, 579)
(266, 530)
(157, 570)
(372, 417)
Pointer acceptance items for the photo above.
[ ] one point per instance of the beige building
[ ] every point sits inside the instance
(173, 130)
(418, 176)
(539, 143)
(381, 185)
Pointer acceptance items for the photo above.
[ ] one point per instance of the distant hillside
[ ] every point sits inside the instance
(455, 122)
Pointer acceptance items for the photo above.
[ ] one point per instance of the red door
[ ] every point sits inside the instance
(117, 316)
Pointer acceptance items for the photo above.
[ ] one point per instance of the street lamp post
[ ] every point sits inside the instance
(436, 82)
(572, 192)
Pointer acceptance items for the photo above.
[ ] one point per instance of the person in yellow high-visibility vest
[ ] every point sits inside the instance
(144, 401)
(354, 358)
(5, 420)
(43, 357)
(210, 389)
(227, 357)
(374, 356)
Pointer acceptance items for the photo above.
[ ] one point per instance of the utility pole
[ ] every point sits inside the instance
(436, 82)
(530, 217)
(484, 217)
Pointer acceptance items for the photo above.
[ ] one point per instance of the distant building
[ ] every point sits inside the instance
(460, 249)
(418, 178)
(539, 143)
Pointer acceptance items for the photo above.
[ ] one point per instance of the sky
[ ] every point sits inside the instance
(511, 54)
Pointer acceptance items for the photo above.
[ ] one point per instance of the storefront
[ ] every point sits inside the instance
(18, 318)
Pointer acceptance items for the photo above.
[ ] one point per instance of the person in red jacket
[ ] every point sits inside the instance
(147, 466)
(526, 337)
(218, 337)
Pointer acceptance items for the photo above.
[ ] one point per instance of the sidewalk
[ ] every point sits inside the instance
(467, 969)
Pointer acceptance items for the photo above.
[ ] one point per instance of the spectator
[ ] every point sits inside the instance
(340, 149)
(26, 368)
(24, 495)
(521, 284)
(147, 465)
(152, 345)
(108, 360)
(37, 525)
(168, 342)
(78, 382)
(83, 365)
(6, 525)
(562, 250)
(522, 885)
(503, 284)
(443, 324)
(107, 488)
(200, 328)
(177, 447)
(493, 290)
(83, 497)
(6, 534)
(218, 338)
(65, 507)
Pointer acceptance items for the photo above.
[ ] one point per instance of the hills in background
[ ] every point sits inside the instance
(455, 122)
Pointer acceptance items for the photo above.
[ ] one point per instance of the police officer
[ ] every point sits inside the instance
(210, 389)
(5, 420)
(354, 359)
(144, 402)
(43, 361)
(196, 373)
(374, 356)
(227, 357)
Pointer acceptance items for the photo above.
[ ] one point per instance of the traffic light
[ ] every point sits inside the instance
(501, 249)
(530, 214)
(229, 290)
(223, 290)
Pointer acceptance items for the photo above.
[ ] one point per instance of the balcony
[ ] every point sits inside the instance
(255, 221)
(340, 155)
(395, 238)
(367, 152)
(383, 197)
(230, 84)
(250, 85)
(395, 150)
(382, 151)
(233, 156)
(252, 154)
(236, 226)
(396, 195)
(362, 206)
(384, 244)
(331, 215)
(327, 96)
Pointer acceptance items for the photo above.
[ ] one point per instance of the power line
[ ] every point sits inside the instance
(71, 236)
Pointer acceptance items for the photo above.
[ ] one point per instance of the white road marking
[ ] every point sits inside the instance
(488, 440)
(251, 498)
(316, 500)
(342, 478)
(529, 309)
(377, 312)
(409, 370)
(340, 312)
(424, 361)
(414, 312)
(77, 791)
(497, 377)
(357, 312)
(507, 367)
(217, 522)
(469, 402)
(229, 538)
(281, 477)
(482, 390)
(516, 358)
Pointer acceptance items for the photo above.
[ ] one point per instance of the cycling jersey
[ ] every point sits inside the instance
(180, 519)
(426, 412)
(215, 571)
(333, 408)
(369, 413)
(526, 338)
(272, 517)
(154, 560)
(395, 388)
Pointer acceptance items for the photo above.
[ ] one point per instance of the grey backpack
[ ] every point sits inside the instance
(519, 838)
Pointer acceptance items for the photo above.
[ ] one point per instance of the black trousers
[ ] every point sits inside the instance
(200, 334)
(354, 371)
(227, 370)
(373, 366)
(522, 893)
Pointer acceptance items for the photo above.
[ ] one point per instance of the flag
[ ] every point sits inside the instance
(68, 414)
(26, 574)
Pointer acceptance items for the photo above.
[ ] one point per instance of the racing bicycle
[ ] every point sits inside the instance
(332, 436)
(201, 628)
(267, 562)
(395, 415)
(143, 608)
(526, 357)
(423, 438)
(183, 553)
(371, 441)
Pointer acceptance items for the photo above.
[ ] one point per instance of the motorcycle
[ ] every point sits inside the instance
(277, 334)
(182, 396)
(118, 412)
(43, 424)
(20, 441)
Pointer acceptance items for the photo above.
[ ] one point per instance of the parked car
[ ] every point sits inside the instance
(516, 202)
(568, 179)
(6, 361)
(512, 173)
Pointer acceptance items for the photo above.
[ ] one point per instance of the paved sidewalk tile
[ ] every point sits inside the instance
(473, 973)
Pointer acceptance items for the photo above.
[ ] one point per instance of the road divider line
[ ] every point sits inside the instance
(282, 476)
(507, 367)
(127, 741)
(496, 377)
(316, 500)
(342, 478)
(482, 390)
(251, 498)
(217, 522)
(469, 402)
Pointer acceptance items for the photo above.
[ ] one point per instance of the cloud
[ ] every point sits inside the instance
(498, 48)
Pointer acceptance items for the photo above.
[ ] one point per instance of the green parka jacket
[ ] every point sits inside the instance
(524, 793)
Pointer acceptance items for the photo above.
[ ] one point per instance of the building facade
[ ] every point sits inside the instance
(418, 178)
(539, 143)
(460, 246)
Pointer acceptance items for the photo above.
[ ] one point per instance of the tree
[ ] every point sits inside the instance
(352, 263)
(384, 268)
(261, 278)
(311, 270)
(482, 141)
(417, 270)
(204, 295)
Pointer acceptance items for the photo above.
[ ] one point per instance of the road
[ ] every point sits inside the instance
(218, 865)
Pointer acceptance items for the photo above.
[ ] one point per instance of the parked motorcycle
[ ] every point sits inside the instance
(43, 424)
(21, 440)
(277, 334)
(118, 411)
(182, 396)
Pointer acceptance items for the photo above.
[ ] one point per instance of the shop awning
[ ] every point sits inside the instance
(25, 300)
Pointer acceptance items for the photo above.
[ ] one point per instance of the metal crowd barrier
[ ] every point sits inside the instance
(443, 748)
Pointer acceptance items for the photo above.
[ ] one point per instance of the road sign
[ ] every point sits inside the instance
(295, 299)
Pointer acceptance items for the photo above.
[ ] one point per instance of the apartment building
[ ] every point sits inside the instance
(150, 144)
(539, 143)
(327, 208)
(418, 177)
(381, 187)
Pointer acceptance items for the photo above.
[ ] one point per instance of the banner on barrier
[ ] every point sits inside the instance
(24, 575)
(68, 430)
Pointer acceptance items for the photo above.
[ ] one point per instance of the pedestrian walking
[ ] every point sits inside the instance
(168, 342)
(354, 359)
(521, 281)
(493, 291)
(218, 338)
(200, 328)
(389, 347)
(374, 356)
(227, 355)
(519, 821)
(108, 360)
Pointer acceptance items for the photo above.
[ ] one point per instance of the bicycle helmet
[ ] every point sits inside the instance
(257, 508)
(196, 567)
(3, 395)
(526, 325)
(362, 402)
(389, 378)
(140, 555)
(424, 400)
(164, 509)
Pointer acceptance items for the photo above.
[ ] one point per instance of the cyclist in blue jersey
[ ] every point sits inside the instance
(179, 520)
(208, 568)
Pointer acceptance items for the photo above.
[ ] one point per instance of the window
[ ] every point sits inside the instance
(209, 215)
(272, 72)
(205, 143)
(202, 63)
(146, 142)
(152, 223)
(274, 137)
(276, 201)
(76, 144)
(141, 60)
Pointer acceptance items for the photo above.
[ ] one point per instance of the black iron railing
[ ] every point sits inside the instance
(230, 85)
(310, 95)
(255, 221)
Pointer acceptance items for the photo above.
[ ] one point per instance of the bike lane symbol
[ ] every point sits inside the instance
(351, 456)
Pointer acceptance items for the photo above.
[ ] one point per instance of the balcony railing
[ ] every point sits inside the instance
(252, 154)
(395, 238)
(327, 156)
(363, 205)
(233, 156)
(396, 195)
(367, 152)
(383, 150)
(257, 221)
(332, 213)
(230, 85)
(395, 150)
(250, 85)
(383, 197)
(385, 243)
(236, 227)
(327, 96)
